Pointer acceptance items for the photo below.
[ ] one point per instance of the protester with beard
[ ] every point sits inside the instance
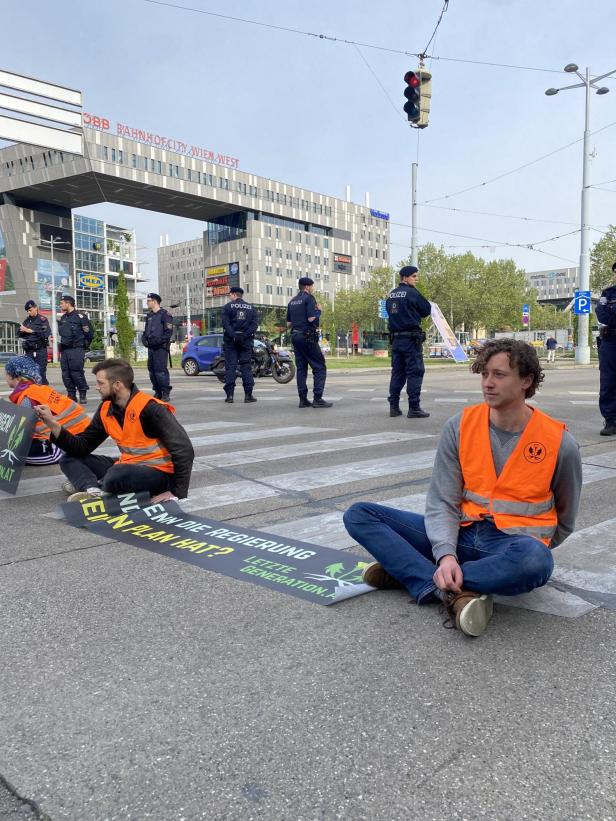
(156, 454)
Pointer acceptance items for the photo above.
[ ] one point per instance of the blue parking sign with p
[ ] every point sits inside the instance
(581, 302)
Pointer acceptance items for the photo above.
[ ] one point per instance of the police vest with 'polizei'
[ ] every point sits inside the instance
(135, 447)
(520, 500)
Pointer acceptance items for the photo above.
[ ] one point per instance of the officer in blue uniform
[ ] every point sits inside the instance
(74, 335)
(606, 314)
(157, 339)
(239, 321)
(406, 308)
(34, 333)
(303, 314)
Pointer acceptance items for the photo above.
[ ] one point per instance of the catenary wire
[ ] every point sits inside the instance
(383, 89)
(438, 22)
(345, 41)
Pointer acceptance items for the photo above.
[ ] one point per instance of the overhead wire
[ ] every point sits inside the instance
(503, 216)
(343, 40)
(438, 22)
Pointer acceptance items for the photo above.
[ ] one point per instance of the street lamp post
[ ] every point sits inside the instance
(53, 241)
(582, 350)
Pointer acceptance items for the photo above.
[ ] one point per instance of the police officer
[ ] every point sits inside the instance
(406, 308)
(74, 335)
(239, 321)
(303, 314)
(34, 333)
(157, 339)
(606, 314)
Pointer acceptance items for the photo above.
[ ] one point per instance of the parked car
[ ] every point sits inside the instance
(95, 356)
(200, 352)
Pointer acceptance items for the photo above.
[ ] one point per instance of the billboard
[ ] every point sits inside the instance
(343, 263)
(43, 281)
(7, 285)
(220, 278)
(87, 280)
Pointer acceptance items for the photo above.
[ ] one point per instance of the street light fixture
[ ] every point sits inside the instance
(582, 351)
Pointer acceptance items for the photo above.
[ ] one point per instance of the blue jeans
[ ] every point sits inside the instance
(491, 561)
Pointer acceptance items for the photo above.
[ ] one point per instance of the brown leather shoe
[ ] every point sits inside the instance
(469, 611)
(376, 576)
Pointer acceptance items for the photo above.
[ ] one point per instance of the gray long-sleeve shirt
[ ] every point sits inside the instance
(442, 516)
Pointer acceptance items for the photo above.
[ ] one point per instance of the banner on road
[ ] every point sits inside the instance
(318, 574)
(16, 429)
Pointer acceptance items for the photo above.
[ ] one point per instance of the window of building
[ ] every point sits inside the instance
(105, 153)
(133, 159)
(279, 290)
(289, 291)
(269, 289)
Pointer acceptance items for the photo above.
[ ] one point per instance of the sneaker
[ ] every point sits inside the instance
(417, 413)
(68, 488)
(609, 429)
(394, 410)
(321, 403)
(304, 403)
(86, 495)
(470, 612)
(376, 576)
(250, 398)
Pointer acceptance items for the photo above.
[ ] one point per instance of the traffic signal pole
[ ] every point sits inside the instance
(582, 351)
(414, 214)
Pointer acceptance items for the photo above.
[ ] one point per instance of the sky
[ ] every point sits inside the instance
(324, 114)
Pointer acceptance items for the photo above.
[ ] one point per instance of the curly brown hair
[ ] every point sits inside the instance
(521, 356)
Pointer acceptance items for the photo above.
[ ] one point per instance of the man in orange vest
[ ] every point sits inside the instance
(156, 454)
(23, 376)
(504, 491)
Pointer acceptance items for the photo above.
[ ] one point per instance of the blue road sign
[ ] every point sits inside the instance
(383, 310)
(581, 302)
(525, 309)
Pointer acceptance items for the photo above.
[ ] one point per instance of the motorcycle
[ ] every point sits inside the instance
(266, 360)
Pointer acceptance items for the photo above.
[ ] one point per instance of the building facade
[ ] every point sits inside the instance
(555, 286)
(267, 233)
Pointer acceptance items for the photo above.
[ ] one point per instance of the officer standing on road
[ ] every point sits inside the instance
(406, 308)
(74, 335)
(303, 314)
(239, 320)
(157, 339)
(606, 314)
(34, 333)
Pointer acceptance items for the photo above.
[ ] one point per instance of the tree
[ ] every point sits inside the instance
(602, 257)
(124, 328)
(97, 343)
(272, 324)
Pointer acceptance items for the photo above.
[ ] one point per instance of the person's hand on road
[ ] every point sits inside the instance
(448, 575)
(167, 496)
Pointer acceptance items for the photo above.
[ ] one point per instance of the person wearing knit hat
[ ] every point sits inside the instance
(23, 377)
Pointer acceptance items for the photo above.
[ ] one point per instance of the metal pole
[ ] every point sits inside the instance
(582, 351)
(54, 317)
(414, 214)
(188, 319)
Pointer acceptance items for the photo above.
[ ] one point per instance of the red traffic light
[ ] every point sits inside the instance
(412, 79)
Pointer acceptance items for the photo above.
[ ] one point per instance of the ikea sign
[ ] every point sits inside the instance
(90, 281)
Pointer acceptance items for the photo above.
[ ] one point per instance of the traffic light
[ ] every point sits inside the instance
(418, 93)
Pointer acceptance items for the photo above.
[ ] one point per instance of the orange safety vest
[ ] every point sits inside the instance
(520, 500)
(135, 447)
(67, 412)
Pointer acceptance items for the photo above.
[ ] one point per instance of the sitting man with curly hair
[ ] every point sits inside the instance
(504, 491)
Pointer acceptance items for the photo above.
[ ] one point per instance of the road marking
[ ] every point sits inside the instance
(213, 424)
(361, 390)
(582, 402)
(312, 479)
(240, 436)
(286, 451)
(459, 399)
(584, 393)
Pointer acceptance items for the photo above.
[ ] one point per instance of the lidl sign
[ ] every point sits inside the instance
(90, 281)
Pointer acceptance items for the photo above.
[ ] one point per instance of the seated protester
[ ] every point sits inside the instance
(23, 376)
(156, 454)
(505, 489)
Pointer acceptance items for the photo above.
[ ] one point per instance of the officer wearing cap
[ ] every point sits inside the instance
(406, 308)
(74, 335)
(157, 339)
(606, 314)
(239, 321)
(303, 314)
(34, 333)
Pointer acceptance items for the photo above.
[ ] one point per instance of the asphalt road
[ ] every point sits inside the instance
(133, 686)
